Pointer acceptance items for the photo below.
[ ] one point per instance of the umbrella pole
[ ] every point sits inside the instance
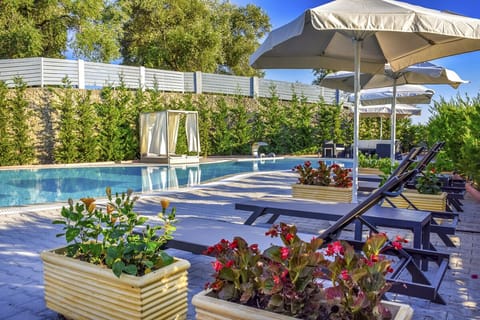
(393, 121)
(356, 117)
(381, 128)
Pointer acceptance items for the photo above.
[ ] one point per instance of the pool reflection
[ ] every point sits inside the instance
(170, 178)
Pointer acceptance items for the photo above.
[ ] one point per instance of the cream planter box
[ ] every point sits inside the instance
(322, 193)
(207, 308)
(370, 171)
(81, 290)
(427, 202)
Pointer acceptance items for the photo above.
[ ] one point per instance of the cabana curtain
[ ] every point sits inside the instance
(159, 132)
(173, 124)
(191, 127)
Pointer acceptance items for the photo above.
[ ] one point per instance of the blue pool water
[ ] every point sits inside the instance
(39, 186)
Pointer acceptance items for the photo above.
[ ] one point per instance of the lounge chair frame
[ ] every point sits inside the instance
(406, 259)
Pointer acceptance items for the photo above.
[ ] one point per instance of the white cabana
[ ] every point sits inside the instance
(159, 135)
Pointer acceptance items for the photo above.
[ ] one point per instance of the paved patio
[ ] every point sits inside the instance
(25, 232)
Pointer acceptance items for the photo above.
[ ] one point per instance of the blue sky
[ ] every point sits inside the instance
(466, 65)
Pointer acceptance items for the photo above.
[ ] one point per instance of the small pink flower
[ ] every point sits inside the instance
(217, 266)
(208, 251)
(289, 237)
(337, 247)
(345, 275)
(397, 245)
(284, 253)
(233, 245)
(229, 264)
(273, 232)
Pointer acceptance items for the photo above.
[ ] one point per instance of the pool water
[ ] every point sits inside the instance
(38, 186)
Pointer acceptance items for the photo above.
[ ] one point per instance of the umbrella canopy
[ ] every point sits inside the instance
(406, 94)
(378, 31)
(420, 73)
(393, 32)
(384, 111)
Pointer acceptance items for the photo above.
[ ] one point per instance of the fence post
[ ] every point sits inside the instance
(81, 74)
(254, 87)
(197, 82)
(142, 78)
(41, 73)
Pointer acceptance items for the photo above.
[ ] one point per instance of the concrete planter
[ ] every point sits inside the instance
(322, 193)
(207, 307)
(81, 290)
(427, 202)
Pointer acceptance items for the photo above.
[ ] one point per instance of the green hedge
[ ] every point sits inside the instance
(89, 125)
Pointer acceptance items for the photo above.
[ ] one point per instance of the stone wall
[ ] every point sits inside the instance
(43, 118)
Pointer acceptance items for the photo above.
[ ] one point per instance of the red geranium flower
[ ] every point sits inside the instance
(233, 244)
(334, 248)
(289, 237)
(229, 264)
(217, 266)
(397, 245)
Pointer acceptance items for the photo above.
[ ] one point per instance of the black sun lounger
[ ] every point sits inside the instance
(449, 219)
(421, 165)
(408, 278)
(374, 214)
(195, 238)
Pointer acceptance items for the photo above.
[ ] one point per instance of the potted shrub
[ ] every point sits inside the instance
(325, 183)
(112, 270)
(427, 194)
(297, 280)
(370, 164)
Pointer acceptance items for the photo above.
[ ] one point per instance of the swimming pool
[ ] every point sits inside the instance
(39, 186)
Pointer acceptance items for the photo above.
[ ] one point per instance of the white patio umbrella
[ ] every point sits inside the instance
(384, 111)
(406, 94)
(421, 73)
(378, 31)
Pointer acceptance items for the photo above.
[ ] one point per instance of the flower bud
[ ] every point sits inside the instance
(165, 203)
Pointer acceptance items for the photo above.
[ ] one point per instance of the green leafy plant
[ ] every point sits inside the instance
(312, 176)
(322, 176)
(108, 238)
(387, 168)
(428, 182)
(23, 145)
(300, 280)
(341, 178)
(368, 161)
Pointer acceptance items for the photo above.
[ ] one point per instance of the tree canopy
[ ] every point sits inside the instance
(182, 35)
